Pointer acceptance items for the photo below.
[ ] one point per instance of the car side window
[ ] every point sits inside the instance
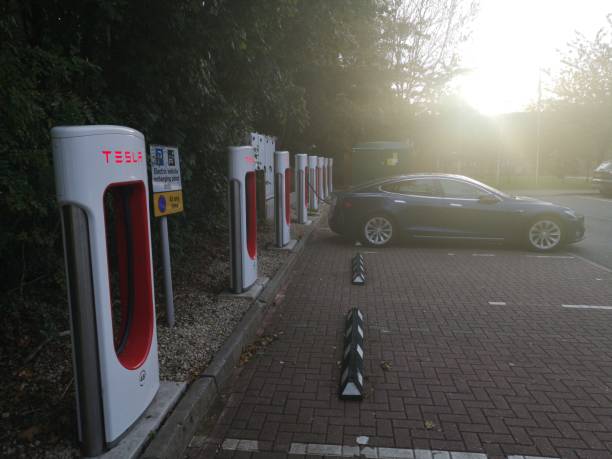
(415, 187)
(456, 189)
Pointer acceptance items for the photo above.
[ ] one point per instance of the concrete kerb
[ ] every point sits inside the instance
(173, 438)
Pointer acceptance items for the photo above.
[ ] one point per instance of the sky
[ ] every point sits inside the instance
(512, 40)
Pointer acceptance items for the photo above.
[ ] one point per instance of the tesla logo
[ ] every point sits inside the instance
(141, 377)
(120, 157)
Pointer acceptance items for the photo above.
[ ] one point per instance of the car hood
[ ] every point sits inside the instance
(529, 201)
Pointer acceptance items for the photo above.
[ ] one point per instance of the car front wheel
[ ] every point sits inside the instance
(378, 231)
(545, 234)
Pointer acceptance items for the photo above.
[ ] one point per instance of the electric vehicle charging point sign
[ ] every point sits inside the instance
(166, 180)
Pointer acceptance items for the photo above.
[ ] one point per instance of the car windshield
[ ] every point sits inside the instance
(605, 166)
(367, 184)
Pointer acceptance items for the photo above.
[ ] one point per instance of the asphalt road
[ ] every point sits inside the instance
(597, 246)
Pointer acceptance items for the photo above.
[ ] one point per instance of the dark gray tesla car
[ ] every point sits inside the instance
(449, 207)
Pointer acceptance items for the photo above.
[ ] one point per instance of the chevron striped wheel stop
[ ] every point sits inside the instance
(351, 381)
(358, 270)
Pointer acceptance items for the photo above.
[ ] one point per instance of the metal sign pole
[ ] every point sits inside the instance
(167, 199)
(165, 245)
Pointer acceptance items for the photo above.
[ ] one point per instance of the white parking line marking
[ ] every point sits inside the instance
(483, 254)
(388, 453)
(230, 444)
(497, 303)
(324, 450)
(395, 453)
(568, 257)
(592, 263)
(585, 306)
(234, 444)
(298, 448)
(593, 198)
(531, 457)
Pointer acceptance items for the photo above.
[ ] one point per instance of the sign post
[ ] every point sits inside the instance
(167, 199)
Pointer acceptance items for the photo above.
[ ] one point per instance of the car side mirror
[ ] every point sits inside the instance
(488, 199)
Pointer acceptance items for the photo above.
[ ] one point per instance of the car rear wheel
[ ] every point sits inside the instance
(545, 234)
(378, 230)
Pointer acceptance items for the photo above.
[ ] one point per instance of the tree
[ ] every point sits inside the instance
(421, 41)
(583, 88)
(201, 75)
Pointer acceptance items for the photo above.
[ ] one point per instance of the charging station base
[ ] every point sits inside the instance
(290, 246)
(132, 444)
(252, 292)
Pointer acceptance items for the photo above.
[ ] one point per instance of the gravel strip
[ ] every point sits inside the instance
(204, 321)
(203, 324)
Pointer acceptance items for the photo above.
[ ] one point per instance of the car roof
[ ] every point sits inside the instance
(434, 175)
(409, 176)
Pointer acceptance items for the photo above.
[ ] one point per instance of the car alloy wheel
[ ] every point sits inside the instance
(378, 231)
(545, 235)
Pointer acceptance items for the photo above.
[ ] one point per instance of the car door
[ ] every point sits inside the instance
(416, 204)
(472, 211)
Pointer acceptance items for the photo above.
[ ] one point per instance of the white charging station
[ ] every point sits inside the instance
(320, 167)
(330, 175)
(301, 188)
(325, 177)
(243, 217)
(282, 198)
(102, 188)
(313, 174)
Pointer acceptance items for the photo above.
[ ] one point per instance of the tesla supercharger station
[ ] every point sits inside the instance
(325, 177)
(301, 188)
(282, 198)
(330, 175)
(102, 187)
(243, 218)
(320, 166)
(313, 200)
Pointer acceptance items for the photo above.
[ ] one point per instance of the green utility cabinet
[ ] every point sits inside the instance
(374, 160)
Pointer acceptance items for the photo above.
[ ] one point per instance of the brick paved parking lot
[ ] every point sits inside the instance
(467, 350)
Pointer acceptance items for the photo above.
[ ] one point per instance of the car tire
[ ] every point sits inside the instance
(545, 234)
(378, 230)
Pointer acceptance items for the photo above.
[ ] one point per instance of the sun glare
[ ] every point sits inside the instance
(514, 43)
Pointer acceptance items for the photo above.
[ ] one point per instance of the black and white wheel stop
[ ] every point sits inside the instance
(358, 270)
(351, 381)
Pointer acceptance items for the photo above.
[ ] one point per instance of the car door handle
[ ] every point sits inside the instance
(399, 201)
(454, 204)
